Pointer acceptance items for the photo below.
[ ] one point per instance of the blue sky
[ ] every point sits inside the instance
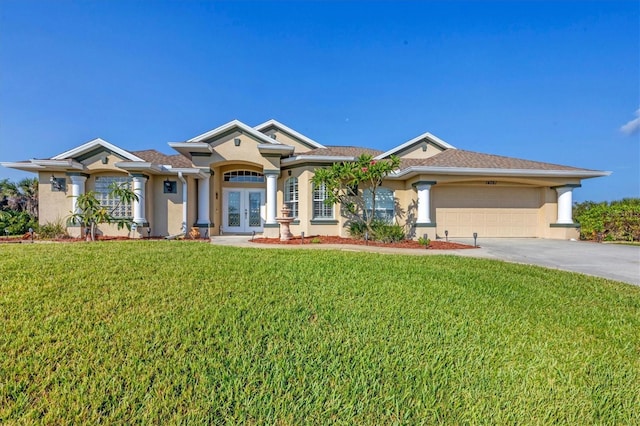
(545, 81)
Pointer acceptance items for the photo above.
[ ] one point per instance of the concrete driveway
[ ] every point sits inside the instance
(614, 261)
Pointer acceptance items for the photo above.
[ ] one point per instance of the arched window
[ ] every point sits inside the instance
(243, 176)
(291, 195)
(385, 204)
(321, 210)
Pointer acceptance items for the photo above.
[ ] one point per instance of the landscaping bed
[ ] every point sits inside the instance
(325, 239)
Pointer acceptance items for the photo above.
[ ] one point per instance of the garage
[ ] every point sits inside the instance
(491, 211)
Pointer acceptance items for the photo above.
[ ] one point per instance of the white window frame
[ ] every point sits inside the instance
(321, 210)
(291, 195)
(382, 212)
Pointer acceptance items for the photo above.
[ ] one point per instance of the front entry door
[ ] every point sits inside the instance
(243, 210)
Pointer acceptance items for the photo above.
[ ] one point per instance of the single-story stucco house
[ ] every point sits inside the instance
(236, 178)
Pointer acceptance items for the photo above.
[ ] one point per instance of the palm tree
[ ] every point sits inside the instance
(19, 197)
(28, 188)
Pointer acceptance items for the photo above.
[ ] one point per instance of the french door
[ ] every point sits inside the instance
(242, 210)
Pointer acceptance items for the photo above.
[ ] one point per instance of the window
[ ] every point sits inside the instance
(243, 176)
(106, 200)
(385, 204)
(321, 210)
(291, 195)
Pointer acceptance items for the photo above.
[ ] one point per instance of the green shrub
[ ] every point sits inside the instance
(615, 221)
(16, 222)
(380, 231)
(387, 233)
(52, 230)
(357, 229)
(424, 241)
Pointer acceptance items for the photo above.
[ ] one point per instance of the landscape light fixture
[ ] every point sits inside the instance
(31, 233)
(6, 232)
(425, 237)
(236, 141)
(475, 238)
(446, 235)
(149, 231)
(253, 234)
(302, 238)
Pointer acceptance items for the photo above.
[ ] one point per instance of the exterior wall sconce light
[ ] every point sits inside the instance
(56, 184)
(289, 172)
(236, 141)
(475, 239)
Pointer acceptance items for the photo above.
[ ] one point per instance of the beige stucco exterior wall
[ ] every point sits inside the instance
(53, 206)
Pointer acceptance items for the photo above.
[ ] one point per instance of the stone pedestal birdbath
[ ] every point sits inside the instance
(285, 221)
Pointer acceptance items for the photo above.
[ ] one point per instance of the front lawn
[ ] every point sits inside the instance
(165, 332)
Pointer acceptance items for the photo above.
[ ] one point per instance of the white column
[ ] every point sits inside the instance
(139, 215)
(565, 204)
(424, 203)
(272, 194)
(77, 188)
(203, 200)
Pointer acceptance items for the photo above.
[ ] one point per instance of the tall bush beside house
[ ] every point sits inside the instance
(347, 183)
(614, 221)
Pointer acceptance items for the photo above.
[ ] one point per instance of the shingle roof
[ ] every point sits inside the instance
(156, 157)
(341, 151)
(457, 158)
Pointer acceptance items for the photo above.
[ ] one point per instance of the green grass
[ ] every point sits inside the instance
(168, 332)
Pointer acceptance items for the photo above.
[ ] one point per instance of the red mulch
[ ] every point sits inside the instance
(406, 244)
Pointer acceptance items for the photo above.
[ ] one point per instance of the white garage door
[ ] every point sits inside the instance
(489, 211)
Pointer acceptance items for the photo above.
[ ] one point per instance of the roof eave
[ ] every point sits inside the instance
(468, 171)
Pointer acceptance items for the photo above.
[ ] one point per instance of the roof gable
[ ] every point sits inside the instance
(270, 125)
(417, 143)
(93, 147)
(230, 127)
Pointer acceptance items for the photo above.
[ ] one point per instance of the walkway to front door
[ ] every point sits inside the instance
(243, 210)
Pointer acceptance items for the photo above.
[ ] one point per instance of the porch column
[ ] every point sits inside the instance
(138, 186)
(77, 188)
(272, 195)
(565, 203)
(203, 200)
(424, 202)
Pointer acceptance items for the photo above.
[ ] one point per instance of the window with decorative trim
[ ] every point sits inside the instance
(243, 176)
(291, 195)
(321, 210)
(385, 204)
(113, 204)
